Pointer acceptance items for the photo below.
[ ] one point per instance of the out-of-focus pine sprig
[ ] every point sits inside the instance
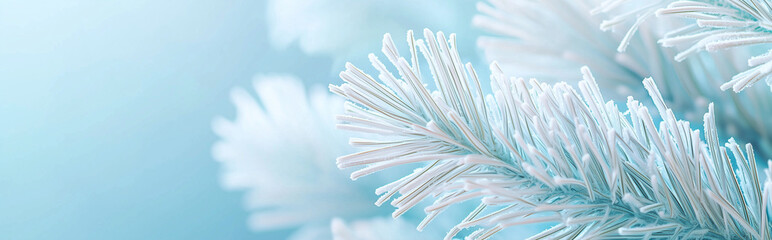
(259, 151)
(552, 39)
(280, 149)
(383, 228)
(720, 25)
(314, 25)
(533, 152)
(713, 25)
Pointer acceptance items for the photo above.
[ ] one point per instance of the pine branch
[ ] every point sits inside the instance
(554, 38)
(716, 25)
(534, 152)
(564, 34)
(286, 188)
(375, 229)
(720, 25)
(636, 11)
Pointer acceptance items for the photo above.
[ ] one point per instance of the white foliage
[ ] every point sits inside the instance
(281, 150)
(713, 25)
(338, 27)
(375, 229)
(551, 39)
(626, 11)
(720, 25)
(533, 152)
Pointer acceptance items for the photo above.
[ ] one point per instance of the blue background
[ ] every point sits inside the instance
(105, 113)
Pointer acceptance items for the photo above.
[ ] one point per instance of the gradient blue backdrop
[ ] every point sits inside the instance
(105, 112)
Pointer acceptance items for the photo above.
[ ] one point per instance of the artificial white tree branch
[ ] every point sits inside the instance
(533, 153)
(714, 25)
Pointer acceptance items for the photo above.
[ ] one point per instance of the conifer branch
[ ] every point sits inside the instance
(552, 39)
(533, 152)
(714, 25)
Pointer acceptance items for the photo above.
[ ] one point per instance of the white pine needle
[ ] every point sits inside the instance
(279, 150)
(551, 39)
(554, 38)
(723, 25)
(716, 25)
(534, 152)
(374, 229)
